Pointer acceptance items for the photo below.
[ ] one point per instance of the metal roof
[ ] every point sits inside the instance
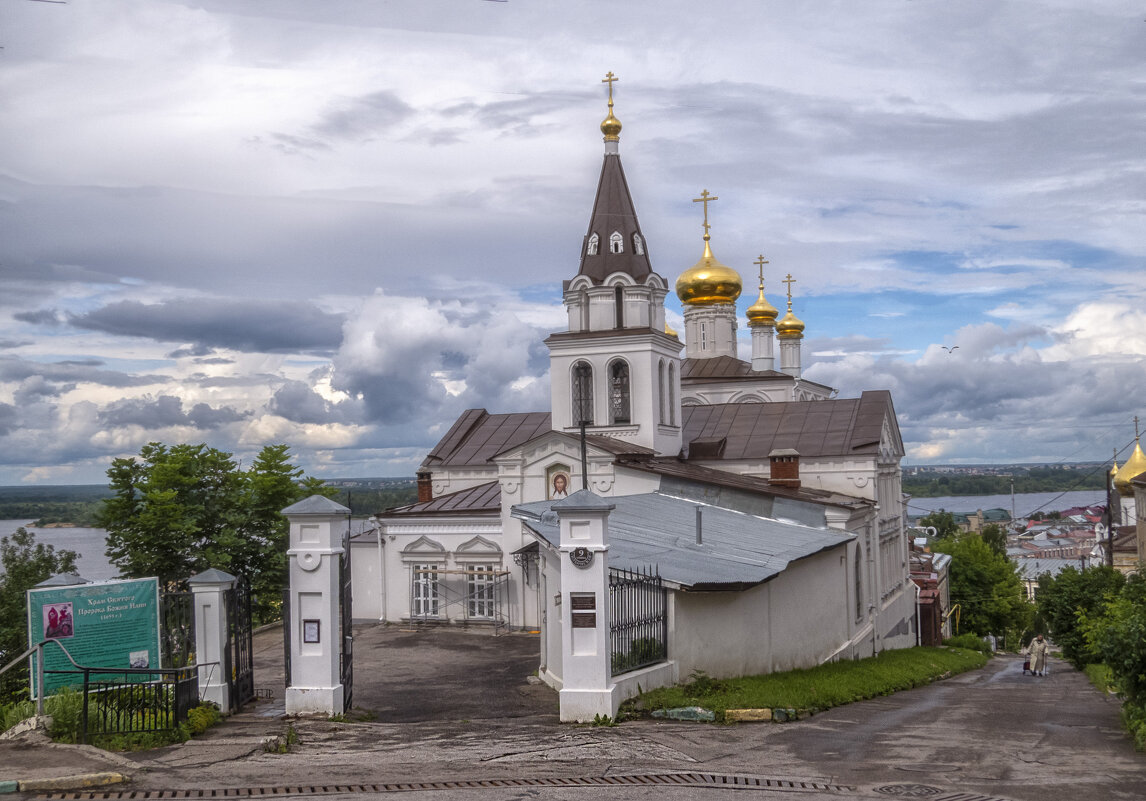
(482, 498)
(477, 436)
(833, 427)
(736, 550)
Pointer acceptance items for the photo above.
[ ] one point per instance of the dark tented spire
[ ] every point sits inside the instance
(613, 215)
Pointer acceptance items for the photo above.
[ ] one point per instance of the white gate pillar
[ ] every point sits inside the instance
(316, 528)
(587, 688)
(207, 589)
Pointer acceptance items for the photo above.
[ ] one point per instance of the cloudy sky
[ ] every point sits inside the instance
(337, 224)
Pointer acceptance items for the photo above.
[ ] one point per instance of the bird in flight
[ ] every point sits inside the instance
(950, 349)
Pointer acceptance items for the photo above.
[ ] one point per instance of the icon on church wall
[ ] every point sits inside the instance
(558, 482)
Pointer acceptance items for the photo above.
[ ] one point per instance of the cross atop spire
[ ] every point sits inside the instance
(760, 262)
(705, 198)
(609, 79)
(789, 281)
(611, 126)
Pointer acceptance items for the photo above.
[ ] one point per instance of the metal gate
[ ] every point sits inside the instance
(346, 618)
(177, 629)
(638, 627)
(286, 635)
(238, 656)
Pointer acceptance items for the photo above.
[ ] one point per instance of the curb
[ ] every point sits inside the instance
(77, 782)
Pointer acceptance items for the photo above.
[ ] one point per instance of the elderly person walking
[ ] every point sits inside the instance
(1037, 651)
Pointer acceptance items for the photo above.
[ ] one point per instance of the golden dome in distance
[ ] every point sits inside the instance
(1134, 467)
(708, 282)
(762, 312)
(790, 326)
(611, 126)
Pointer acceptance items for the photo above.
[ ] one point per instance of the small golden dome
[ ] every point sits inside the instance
(1134, 467)
(611, 126)
(762, 312)
(669, 330)
(790, 326)
(708, 282)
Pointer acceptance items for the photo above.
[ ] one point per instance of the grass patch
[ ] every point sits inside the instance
(1101, 677)
(821, 687)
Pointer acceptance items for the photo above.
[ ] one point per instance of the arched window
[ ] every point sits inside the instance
(619, 393)
(638, 245)
(582, 393)
(616, 242)
(619, 306)
(672, 394)
(591, 248)
(663, 392)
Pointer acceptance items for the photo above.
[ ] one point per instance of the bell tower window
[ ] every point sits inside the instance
(616, 242)
(619, 306)
(582, 393)
(591, 248)
(619, 393)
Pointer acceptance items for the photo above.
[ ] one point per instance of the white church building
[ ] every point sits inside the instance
(756, 519)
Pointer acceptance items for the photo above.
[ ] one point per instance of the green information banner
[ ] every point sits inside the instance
(112, 624)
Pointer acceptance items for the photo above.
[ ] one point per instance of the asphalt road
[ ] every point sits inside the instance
(455, 706)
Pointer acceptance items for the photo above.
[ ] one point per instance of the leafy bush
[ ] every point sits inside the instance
(203, 717)
(643, 651)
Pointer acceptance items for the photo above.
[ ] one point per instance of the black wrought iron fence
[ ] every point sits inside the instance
(638, 620)
(136, 701)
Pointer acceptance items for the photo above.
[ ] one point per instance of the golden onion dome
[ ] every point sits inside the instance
(611, 126)
(1134, 467)
(790, 326)
(669, 330)
(708, 282)
(762, 312)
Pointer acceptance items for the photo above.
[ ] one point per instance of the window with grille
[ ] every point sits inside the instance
(425, 591)
(582, 393)
(479, 589)
(619, 393)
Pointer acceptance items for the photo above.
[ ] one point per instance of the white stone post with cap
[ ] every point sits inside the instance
(587, 689)
(208, 589)
(316, 529)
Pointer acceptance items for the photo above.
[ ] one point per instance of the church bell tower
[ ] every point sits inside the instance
(616, 369)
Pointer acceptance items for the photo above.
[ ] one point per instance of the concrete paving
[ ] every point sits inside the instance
(448, 705)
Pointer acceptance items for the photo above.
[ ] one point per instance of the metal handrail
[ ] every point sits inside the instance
(38, 650)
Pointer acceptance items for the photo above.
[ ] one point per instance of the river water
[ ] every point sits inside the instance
(1025, 504)
(87, 542)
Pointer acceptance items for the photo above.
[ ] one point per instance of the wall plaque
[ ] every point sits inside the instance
(583, 601)
(584, 620)
(581, 557)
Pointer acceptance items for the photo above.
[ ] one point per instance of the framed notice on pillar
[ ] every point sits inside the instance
(311, 630)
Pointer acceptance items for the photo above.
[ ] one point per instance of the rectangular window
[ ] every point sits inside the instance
(425, 591)
(479, 587)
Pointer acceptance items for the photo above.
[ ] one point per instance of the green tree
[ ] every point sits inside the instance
(986, 585)
(1062, 599)
(996, 537)
(943, 522)
(25, 563)
(178, 510)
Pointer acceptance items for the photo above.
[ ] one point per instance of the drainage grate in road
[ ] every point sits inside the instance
(933, 793)
(709, 779)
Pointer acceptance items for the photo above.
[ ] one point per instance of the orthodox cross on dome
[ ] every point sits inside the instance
(789, 281)
(609, 79)
(705, 198)
(1136, 434)
(760, 262)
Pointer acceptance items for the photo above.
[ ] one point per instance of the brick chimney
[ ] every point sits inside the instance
(425, 487)
(785, 469)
